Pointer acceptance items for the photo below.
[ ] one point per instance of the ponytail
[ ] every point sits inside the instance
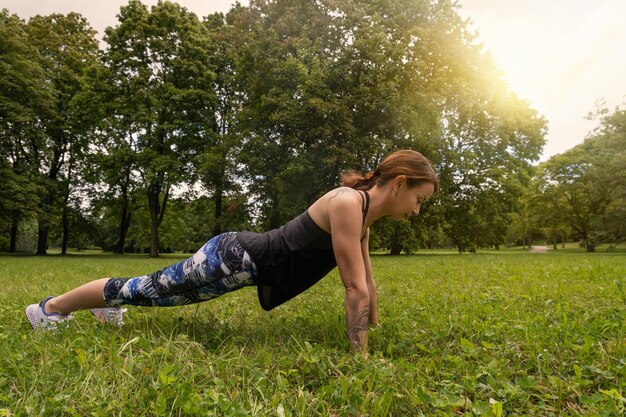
(357, 181)
(409, 163)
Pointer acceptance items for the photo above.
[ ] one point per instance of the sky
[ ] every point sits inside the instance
(563, 56)
(560, 55)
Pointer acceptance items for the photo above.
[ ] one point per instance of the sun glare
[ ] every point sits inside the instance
(561, 56)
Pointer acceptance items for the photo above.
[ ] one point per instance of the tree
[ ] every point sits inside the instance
(584, 187)
(115, 166)
(489, 138)
(111, 163)
(330, 99)
(66, 47)
(24, 93)
(216, 162)
(283, 116)
(566, 189)
(160, 79)
(610, 170)
(348, 83)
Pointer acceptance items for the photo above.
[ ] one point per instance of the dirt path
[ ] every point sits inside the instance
(539, 249)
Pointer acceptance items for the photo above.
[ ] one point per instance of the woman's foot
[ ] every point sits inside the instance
(39, 319)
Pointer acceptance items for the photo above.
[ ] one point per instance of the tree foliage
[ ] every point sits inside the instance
(25, 94)
(41, 133)
(159, 78)
(584, 188)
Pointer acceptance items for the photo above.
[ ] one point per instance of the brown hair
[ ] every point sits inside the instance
(412, 164)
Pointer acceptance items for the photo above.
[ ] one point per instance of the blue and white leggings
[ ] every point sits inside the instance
(220, 266)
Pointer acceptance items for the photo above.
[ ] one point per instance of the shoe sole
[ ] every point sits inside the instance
(99, 315)
(28, 316)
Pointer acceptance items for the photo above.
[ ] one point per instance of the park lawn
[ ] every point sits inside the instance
(491, 334)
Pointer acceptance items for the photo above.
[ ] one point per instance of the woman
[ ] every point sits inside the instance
(282, 263)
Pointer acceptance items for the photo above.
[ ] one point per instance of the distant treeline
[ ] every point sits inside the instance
(180, 128)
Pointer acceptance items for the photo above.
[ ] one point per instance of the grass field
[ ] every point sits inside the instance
(491, 334)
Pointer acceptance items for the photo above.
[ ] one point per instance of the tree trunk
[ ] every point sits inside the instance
(154, 191)
(65, 230)
(221, 180)
(219, 195)
(44, 222)
(66, 201)
(42, 238)
(157, 211)
(49, 200)
(14, 227)
(154, 236)
(120, 246)
(275, 215)
(395, 246)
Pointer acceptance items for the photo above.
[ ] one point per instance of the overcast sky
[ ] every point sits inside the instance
(560, 55)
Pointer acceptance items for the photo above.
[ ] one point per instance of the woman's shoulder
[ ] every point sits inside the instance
(341, 201)
(342, 193)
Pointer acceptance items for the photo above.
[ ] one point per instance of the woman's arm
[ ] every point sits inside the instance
(344, 211)
(369, 278)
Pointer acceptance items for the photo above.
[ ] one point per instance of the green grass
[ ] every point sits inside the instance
(491, 334)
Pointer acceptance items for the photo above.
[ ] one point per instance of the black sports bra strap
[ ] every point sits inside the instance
(366, 205)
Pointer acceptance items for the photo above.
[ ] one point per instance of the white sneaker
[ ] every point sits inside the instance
(40, 320)
(111, 315)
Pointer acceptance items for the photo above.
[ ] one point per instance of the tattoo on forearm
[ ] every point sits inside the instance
(357, 330)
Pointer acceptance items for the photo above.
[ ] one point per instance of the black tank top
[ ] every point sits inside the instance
(291, 259)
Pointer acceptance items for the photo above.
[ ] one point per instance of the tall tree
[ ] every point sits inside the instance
(329, 100)
(610, 169)
(347, 83)
(281, 54)
(489, 137)
(111, 163)
(216, 163)
(66, 47)
(585, 185)
(160, 78)
(566, 189)
(24, 94)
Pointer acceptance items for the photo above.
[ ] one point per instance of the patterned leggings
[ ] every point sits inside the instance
(220, 266)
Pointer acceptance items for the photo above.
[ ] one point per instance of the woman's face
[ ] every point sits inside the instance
(410, 199)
